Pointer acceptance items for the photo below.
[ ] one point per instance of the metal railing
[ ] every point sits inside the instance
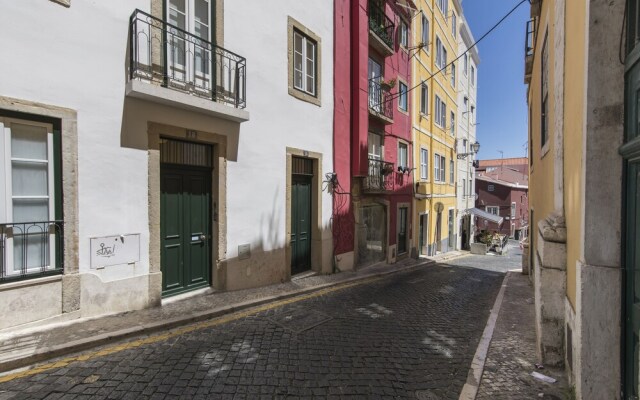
(163, 53)
(380, 100)
(380, 24)
(380, 176)
(529, 40)
(31, 249)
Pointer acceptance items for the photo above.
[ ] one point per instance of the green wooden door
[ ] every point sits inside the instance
(300, 224)
(185, 232)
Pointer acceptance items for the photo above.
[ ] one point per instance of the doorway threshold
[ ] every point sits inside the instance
(302, 275)
(198, 292)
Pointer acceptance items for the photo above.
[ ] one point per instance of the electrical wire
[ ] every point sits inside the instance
(397, 94)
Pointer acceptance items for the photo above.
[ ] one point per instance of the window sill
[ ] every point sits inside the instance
(300, 95)
(26, 282)
(544, 150)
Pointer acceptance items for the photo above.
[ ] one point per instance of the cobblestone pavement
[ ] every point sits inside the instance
(510, 260)
(408, 335)
(512, 355)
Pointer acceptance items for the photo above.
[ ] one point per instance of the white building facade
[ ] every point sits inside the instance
(466, 133)
(153, 148)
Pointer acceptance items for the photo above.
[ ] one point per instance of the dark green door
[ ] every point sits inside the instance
(185, 228)
(631, 155)
(300, 224)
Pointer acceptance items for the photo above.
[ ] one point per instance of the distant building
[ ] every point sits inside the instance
(502, 189)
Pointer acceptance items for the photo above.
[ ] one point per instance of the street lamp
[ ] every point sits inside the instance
(475, 148)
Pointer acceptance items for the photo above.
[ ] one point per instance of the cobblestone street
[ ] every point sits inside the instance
(411, 334)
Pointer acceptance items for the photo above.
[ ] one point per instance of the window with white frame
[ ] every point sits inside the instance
(466, 63)
(454, 25)
(403, 98)
(424, 99)
(473, 75)
(495, 210)
(404, 34)
(470, 187)
(29, 230)
(491, 188)
(441, 54)
(472, 114)
(466, 105)
(403, 155)
(452, 128)
(513, 210)
(424, 164)
(443, 5)
(376, 146)
(439, 169)
(304, 63)
(464, 187)
(451, 172)
(453, 74)
(441, 112)
(425, 33)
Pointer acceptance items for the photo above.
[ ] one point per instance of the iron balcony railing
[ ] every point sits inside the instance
(379, 176)
(163, 53)
(31, 249)
(380, 24)
(380, 101)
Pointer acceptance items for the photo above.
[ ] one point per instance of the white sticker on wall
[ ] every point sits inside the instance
(114, 250)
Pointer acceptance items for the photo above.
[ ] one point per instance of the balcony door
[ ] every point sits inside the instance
(375, 91)
(190, 55)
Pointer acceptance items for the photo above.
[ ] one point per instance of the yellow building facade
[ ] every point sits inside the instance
(434, 119)
(576, 189)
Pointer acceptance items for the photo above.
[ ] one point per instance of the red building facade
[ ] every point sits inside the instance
(502, 189)
(372, 132)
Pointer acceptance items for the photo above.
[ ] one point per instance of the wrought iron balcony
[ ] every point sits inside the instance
(380, 176)
(529, 45)
(381, 26)
(31, 249)
(172, 57)
(380, 101)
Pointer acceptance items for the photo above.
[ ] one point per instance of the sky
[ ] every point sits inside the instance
(501, 103)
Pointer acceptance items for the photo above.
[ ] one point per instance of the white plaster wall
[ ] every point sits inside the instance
(256, 182)
(465, 129)
(76, 57)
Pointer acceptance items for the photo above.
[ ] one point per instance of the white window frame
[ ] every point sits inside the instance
(453, 75)
(452, 129)
(443, 5)
(403, 96)
(424, 99)
(491, 209)
(441, 113)
(473, 75)
(466, 63)
(305, 40)
(424, 164)
(403, 155)
(6, 195)
(464, 187)
(404, 34)
(425, 32)
(443, 169)
(491, 188)
(436, 167)
(451, 172)
(454, 25)
(513, 209)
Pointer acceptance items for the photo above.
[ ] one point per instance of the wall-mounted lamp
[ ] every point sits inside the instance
(475, 148)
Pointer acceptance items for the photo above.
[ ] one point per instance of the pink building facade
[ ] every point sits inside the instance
(372, 132)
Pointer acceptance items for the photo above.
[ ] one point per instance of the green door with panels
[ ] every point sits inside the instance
(185, 224)
(631, 155)
(301, 215)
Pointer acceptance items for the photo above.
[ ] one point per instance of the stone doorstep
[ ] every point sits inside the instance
(21, 354)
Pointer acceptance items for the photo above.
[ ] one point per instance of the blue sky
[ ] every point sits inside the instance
(501, 103)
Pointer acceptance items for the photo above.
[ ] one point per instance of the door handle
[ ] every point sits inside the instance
(203, 237)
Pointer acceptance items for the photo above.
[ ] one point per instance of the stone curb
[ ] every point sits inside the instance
(48, 353)
(474, 377)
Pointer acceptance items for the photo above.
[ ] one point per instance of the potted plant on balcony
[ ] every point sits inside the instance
(387, 85)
